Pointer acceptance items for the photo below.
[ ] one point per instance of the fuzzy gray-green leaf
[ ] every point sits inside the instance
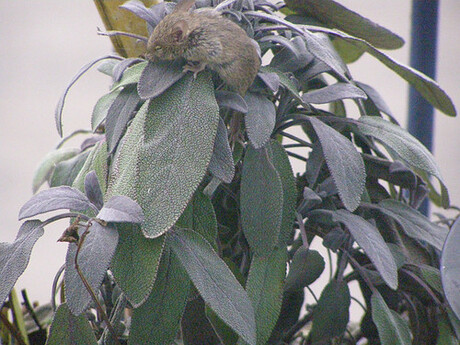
(261, 200)
(408, 148)
(178, 140)
(48, 163)
(344, 163)
(215, 282)
(14, 257)
(331, 314)
(135, 263)
(265, 288)
(283, 166)
(68, 329)
(392, 328)
(156, 322)
(415, 224)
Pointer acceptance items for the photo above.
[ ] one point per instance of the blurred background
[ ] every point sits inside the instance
(44, 43)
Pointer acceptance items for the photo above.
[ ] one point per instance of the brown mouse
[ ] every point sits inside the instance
(206, 39)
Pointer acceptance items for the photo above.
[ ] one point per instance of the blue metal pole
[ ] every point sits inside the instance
(423, 58)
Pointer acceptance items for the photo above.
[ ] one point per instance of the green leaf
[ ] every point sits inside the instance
(199, 216)
(123, 175)
(331, 314)
(130, 76)
(260, 118)
(306, 266)
(371, 241)
(178, 141)
(337, 16)
(414, 224)
(265, 287)
(97, 161)
(282, 165)
(68, 329)
(14, 257)
(48, 163)
(344, 163)
(446, 335)
(66, 171)
(157, 320)
(261, 201)
(432, 276)
(102, 107)
(348, 52)
(392, 328)
(334, 92)
(222, 330)
(195, 326)
(119, 114)
(407, 147)
(221, 164)
(450, 269)
(135, 263)
(428, 88)
(215, 282)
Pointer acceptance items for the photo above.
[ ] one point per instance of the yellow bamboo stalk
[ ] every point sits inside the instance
(117, 19)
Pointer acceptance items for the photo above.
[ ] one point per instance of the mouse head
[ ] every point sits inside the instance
(169, 38)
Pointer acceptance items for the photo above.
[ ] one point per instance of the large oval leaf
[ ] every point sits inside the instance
(265, 288)
(450, 269)
(135, 263)
(156, 322)
(331, 314)
(344, 163)
(407, 147)
(393, 329)
(260, 118)
(283, 166)
(307, 265)
(68, 329)
(157, 77)
(261, 199)
(221, 164)
(215, 282)
(178, 141)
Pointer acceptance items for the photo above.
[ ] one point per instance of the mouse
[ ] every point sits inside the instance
(205, 39)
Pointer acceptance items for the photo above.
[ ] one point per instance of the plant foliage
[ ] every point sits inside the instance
(189, 226)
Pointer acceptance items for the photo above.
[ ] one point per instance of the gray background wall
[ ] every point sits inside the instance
(44, 43)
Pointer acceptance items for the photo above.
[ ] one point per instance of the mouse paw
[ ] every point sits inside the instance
(195, 67)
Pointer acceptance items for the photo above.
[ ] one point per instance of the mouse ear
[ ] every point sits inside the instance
(179, 31)
(184, 6)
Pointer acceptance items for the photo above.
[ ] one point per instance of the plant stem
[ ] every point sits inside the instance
(12, 329)
(88, 287)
